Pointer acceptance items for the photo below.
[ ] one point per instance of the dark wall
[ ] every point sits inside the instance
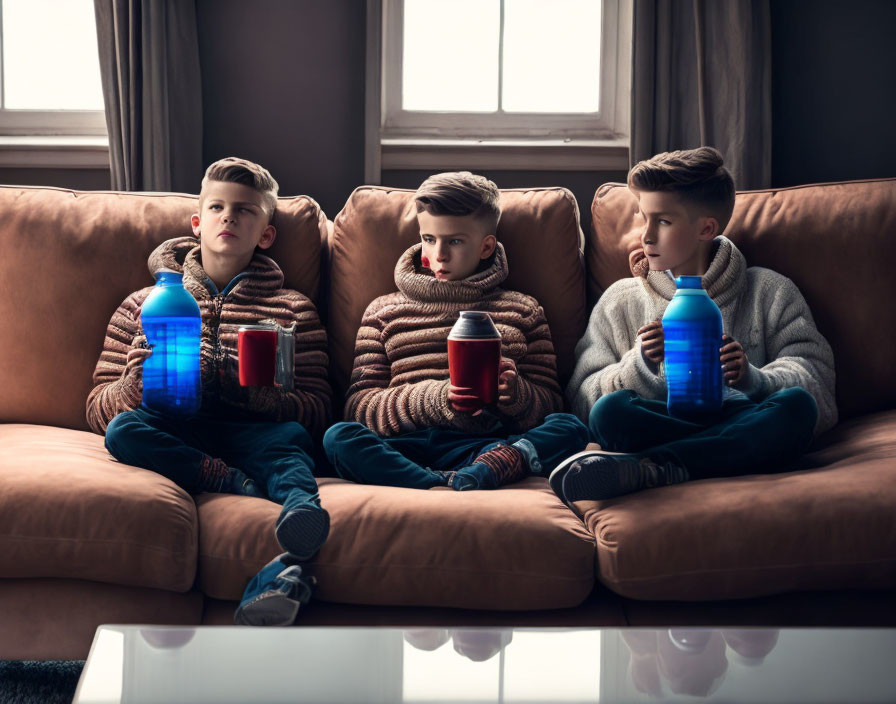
(283, 85)
(833, 90)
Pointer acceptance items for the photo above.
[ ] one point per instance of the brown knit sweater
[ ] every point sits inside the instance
(257, 296)
(400, 378)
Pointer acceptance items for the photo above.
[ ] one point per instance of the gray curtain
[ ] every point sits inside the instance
(149, 63)
(702, 76)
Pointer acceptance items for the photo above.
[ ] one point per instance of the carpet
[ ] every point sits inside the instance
(39, 682)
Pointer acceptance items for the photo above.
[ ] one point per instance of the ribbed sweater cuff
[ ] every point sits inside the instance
(754, 383)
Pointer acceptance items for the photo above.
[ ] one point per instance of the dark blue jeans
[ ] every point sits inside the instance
(410, 460)
(745, 437)
(278, 456)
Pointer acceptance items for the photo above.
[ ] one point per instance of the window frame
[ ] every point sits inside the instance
(560, 143)
(397, 122)
(51, 138)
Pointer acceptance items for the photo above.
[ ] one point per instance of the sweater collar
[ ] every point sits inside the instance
(183, 255)
(419, 284)
(723, 280)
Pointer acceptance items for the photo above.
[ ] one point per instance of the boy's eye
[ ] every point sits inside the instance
(214, 207)
(456, 241)
(665, 222)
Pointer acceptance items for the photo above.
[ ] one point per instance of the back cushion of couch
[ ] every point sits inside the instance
(832, 240)
(69, 258)
(539, 229)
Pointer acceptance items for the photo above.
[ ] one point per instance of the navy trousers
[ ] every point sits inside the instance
(745, 437)
(278, 456)
(410, 460)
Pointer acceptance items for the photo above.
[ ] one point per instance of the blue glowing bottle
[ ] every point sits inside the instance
(171, 322)
(692, 326)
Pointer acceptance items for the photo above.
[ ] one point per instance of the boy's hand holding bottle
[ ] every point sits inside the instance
(139, 352)
(508, 382)
(653, 343)
(733, 359)
(731, 354)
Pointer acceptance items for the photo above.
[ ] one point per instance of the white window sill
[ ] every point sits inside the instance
(505, 154)
(53, 152)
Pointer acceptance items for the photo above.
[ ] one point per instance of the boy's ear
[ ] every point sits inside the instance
(194, 223)
(268, 235)
(489, 244)
(709, 229)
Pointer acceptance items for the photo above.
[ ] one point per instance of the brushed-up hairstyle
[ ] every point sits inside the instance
(460, 193)
(697, 175)
(234, 170)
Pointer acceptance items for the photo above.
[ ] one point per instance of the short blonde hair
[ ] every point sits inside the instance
(460, 193)
(235, 170)
(697, 176)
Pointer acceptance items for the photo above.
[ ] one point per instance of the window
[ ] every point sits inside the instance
(511, 73)
(51, 100)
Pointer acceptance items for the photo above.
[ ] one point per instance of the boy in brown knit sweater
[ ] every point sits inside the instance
(250, 440)
(409, 427)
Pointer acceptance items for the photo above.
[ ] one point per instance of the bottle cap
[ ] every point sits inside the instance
(689, 282)
(474, 325)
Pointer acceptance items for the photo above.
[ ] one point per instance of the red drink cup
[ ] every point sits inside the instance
(474, 355)
(257, 351)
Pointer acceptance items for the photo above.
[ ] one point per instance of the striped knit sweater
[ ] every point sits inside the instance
(761, 309)
(257, 295)
(400, 378)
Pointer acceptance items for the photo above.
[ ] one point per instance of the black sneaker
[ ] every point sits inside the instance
(596, 475)
(302, 530)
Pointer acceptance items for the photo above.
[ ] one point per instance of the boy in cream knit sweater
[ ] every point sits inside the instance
(778, 369)
(409, 427)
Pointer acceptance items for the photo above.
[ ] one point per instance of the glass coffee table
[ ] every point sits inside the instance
(137, 664)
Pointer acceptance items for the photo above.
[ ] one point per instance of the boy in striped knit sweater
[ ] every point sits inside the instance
(409, 427)
(254, 441)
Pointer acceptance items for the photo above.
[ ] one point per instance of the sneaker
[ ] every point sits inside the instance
(596, 475)
(274, 596)
(301, 531)
(500, 464)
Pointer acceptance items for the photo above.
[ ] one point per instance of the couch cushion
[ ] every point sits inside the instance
(515, 548)
(56, 619)
(70, 258)
(829, 239)
(67, 509)
(829, 526)
(539, 228)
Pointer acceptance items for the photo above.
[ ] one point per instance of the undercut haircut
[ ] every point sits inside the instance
(460, 193)
(234, 170)
(698, 176)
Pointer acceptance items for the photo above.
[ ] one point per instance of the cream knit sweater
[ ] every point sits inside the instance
(761, 309)
(400, 377)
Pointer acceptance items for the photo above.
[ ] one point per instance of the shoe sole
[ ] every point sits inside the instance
(303, 531)
(268, 610)
(557, 477)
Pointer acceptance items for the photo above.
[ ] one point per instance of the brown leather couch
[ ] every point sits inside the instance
(86, 540)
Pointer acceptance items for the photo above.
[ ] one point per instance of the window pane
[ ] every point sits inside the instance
(450, 59)
(50, 58)
(552, 55)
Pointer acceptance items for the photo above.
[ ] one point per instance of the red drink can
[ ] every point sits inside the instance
(474, 355)
(257, 352)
